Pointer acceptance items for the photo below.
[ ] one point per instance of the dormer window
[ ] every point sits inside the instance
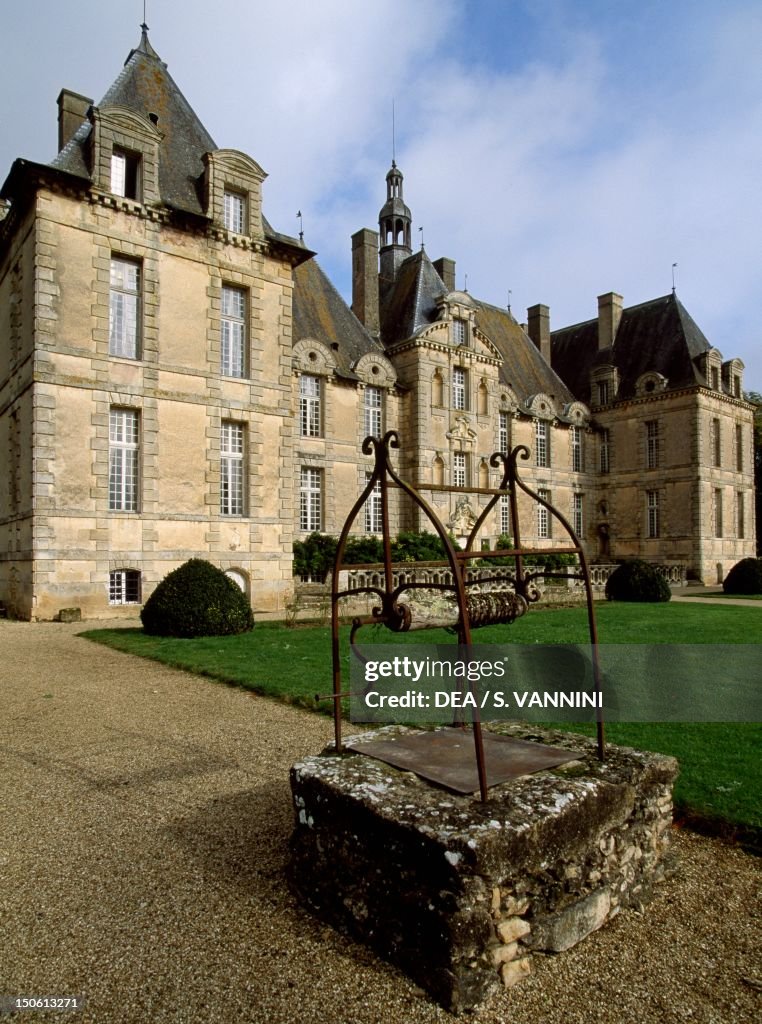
(459, 331)
(234, 210)
(125, 174)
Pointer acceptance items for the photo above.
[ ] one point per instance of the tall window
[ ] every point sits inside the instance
(576, 449)
(373, 407)
(716, 442)
(577, 517)
(603, 392)
(652, 513)
(543, 516)
(125, 174)
(715, 376)
(373, 519)
(123, 456)
(309, 406)
(459, 332)
(458, 387)
(605, 451)
(739, 448)
(124, 586)
(717, 502)
(505, 514)
(503, 438)
(652, 444)
(234, 208)
(541, 444)
(233, 332)
(459, 469)
(231, 469)
(740, 516)
(124, 309)
(311, 500)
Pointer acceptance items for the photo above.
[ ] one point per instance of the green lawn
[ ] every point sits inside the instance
(721, 764)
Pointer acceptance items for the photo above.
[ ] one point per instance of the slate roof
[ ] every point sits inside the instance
(523, 368)
(659, 335)
(146, 86)
(321, 313)
(411, 305)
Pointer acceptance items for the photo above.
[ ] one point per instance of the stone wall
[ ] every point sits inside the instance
(459, 893)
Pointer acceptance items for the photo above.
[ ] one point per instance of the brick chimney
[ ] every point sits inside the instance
(365, 278)
(609, 315)
(446, 270)
(72, 111)
(538, 328)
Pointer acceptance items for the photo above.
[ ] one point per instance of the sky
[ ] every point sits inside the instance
(555, 149)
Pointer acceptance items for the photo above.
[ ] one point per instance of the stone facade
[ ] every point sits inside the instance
(178, 379)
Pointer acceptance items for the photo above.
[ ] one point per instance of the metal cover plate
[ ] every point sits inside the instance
(447, 757)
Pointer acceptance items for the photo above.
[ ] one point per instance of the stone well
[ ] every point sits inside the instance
(459, 893)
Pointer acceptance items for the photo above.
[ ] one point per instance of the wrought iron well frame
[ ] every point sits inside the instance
(396, 615)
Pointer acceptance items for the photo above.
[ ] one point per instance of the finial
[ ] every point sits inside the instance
(674, 290)
(394, 141)
(465, 287)
(510, 293)
(144, 26)
(301, 225)
(422, 245)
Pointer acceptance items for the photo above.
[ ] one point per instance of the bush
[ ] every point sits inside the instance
(637, 581)
(197, 599)
(314, 557)
(414, 546)
(744, 578)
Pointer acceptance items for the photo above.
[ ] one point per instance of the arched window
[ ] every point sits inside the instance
(438, 472)
(437, 389)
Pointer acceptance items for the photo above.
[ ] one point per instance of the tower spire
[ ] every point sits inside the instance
(394, 225)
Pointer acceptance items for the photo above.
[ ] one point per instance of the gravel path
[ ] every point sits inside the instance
(145, 820)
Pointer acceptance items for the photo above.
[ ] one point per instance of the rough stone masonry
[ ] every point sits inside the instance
(458, 893)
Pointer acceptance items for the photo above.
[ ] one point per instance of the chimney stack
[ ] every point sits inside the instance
(609, 315)
(538, 328)
(72, 111)
(365, 279)
(446, 269)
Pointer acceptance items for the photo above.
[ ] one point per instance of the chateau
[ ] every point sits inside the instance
(179, 379)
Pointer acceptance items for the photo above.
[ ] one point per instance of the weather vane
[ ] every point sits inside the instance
(673, 278)
(421, 231)
(510, 293)
(301, 225)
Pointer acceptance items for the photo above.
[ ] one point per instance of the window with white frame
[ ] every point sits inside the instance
(123, 460)
(373, 518)
(716, 442)
(503, 436)
(310, 417)
(505, 514)
(311, 499)
(652, 444)
(652, 514)
(459, 469)
(459, 381)
(124, 308)
(576, 449)
(233, 332)
(373, 412)
(234, 212)
(125, 174)
(124, 586)
(232, 444)
(740, 515)
(459, 331)
(543, 515)
(739, 448)
(578, 523)
(717, 509)
(605, 451)
(541, 444)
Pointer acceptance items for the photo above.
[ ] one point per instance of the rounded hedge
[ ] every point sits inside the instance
(637, 581)
(197, 599)
(744, 578)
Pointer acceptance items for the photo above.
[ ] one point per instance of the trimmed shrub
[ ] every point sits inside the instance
(637, 581)
(314, 556)
(197, 599)
(418, 546)
(744, 578)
